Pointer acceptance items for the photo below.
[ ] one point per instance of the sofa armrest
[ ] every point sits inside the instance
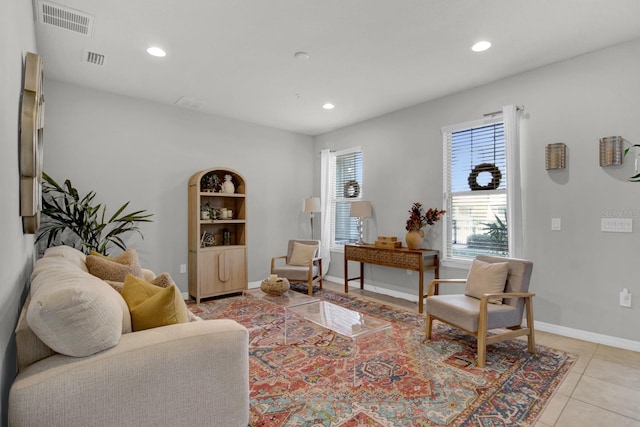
(187, 374)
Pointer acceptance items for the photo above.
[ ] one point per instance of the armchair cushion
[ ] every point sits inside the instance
(465, 310)
(295, 273)
(487, 278)
(302, 254)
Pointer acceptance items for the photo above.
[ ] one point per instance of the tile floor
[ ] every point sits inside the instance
(602, 389)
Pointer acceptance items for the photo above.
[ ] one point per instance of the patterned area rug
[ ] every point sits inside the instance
(404, 382)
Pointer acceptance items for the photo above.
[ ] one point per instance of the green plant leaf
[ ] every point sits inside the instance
(65, 210)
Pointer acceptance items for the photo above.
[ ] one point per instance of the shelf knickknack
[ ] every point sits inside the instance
(210, 182)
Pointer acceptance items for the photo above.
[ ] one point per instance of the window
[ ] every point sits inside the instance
(477, 176)
(345, 187)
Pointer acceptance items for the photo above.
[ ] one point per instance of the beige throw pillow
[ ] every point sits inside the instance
(114, 269)
(302, 254)
(485, 278)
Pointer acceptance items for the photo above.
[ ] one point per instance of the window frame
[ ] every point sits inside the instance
(512, 174)
(333, 200)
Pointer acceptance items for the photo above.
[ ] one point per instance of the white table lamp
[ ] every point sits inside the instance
(360, 209)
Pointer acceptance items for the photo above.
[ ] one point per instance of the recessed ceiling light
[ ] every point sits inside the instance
(328, 106)
(481, 46)
(156, 51)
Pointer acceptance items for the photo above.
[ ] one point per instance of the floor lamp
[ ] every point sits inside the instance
(311, 205)
(360, 209)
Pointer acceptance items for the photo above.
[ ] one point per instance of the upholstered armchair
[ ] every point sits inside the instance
(495, 297)
(302, 263)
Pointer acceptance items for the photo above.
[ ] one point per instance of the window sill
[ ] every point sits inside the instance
(464, 264)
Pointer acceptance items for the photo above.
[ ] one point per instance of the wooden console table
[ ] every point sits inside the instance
(408, 259)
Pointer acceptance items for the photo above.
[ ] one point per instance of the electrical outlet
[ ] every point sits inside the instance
(409, 272)
(183, 268)
(625, 298)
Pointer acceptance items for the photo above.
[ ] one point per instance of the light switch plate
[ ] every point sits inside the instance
(556, 224)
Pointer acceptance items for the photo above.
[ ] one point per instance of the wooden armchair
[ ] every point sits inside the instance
(303, 263)
(477, 312)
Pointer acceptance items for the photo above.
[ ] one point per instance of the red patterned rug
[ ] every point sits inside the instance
(405, 382)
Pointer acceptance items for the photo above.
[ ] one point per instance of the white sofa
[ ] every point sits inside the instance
(193, 373)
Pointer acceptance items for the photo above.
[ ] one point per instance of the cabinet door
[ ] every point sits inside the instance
(221, 271)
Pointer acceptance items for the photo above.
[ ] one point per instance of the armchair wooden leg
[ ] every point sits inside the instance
(531, 338)
(482, 352)
(482, 336)
(310, 287)
(428, 328)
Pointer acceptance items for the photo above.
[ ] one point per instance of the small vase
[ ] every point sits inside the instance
(227, 185)
(414, 239)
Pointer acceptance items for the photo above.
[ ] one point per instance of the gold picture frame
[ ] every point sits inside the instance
(31, 140)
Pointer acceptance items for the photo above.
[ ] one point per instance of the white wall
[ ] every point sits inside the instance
(17, 37)
(129, 149)
(578, 271)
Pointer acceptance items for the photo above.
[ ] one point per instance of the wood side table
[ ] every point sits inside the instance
(419, 260)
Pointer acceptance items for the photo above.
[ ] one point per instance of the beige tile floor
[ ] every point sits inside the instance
(602, 389)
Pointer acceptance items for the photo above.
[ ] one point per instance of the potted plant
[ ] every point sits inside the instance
(417, 221)
(76, 221)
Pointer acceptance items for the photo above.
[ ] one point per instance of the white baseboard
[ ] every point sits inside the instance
(541, 326)
(588, 336)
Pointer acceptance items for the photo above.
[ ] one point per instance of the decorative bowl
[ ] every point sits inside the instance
(277, 288)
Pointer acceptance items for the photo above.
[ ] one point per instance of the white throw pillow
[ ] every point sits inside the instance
(77, 315)
(302, 254)
(487, 278)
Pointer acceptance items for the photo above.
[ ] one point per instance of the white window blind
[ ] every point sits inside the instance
(475, 190)
(346, 186)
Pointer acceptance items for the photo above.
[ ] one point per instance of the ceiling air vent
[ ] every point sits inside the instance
(66, 18)
(93, 58)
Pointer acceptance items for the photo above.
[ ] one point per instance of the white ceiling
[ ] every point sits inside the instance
(368, 57)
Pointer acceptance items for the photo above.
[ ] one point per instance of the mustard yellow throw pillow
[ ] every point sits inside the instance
(153, 306)
(487, 278)
(163, 280)
(114, 269)
(302, 254)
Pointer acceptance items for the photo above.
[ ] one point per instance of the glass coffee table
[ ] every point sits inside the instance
(288, 299)
(346, 322)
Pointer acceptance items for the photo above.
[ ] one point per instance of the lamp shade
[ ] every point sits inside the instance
(360, 209)
(312, 204)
